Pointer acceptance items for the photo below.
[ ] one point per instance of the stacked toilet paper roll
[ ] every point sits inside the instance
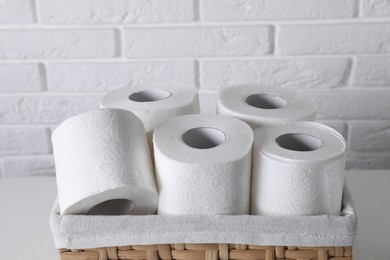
(203, 165)
(298, 169)
(263, 105)
(103, 165)
(155, 103)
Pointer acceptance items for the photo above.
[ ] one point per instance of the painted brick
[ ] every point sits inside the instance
(89, 30)
(28, 167)
(369, 136)
(44, 109)
(20, 78)
(16, 12)
(372, 71)
(337, 38)
(208, 102)
(376, 7)
(57, 43)
(108, 76)
(201, 41)
(288, 73)
(350, 105)
(340, 127)
(241, 10)
(31, 140)
(115, 11)
(368, 161)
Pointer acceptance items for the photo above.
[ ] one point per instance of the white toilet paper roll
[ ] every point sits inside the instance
(298, 169)
(263, 105)
(155, 103)
(103, 165)
(203, 165)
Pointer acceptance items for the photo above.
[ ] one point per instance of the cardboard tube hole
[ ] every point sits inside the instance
(266, 101)
(150, 95)
(299, 142)
(203, 137)
(113, 207)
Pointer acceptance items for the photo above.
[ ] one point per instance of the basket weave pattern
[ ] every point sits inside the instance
(209, 252)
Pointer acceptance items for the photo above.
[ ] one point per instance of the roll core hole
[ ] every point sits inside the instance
(266, 101)
(149, 95)
(203, 137)
(113, 207)
(299, 142)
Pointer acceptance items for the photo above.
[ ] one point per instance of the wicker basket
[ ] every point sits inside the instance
(208, 252)
(222, 237)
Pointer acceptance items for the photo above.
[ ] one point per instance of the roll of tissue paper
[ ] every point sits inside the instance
(154, 104)
(298, 169)
(263, 105)
(203, 165)
(103, 165)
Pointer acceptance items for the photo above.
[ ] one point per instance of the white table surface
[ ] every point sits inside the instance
(25, 204)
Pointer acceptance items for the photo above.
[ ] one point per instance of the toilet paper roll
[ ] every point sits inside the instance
(203, 165)
(298, 169)
(263, 105)
(103, 165)
(155, 103)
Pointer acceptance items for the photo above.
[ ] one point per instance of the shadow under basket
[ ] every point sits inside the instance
(83, 237)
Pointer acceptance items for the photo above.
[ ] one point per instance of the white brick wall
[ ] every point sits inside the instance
(199, 41)
(28, 166)
(103, 76)
(57, 57)
(376, 8)
(45, 109)
(58, 43)
(17, 12)
(24, 140)
(238, 10)
(21, 77)
(115, 11)
(353, 104)
(368, 137)
(315, 73)
(372, 71)
(333, 39)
